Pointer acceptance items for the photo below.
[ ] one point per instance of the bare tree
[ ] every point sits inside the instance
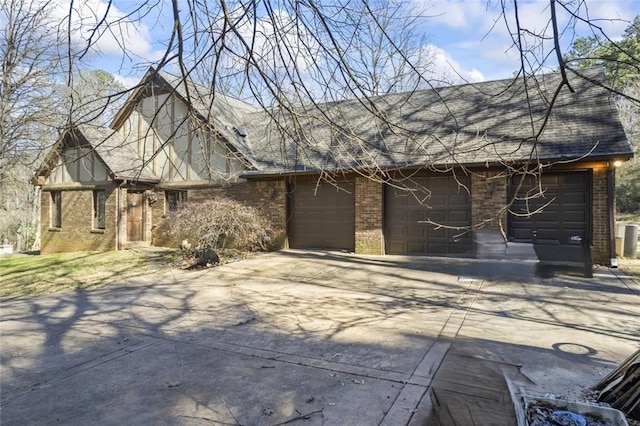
(41, 92)
(27, 94)
(28, 105)
(294, 59)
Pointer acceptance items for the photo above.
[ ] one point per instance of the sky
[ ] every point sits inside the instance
(465, 31)
(467, 36)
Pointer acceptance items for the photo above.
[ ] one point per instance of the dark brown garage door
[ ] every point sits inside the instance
(322, 215)
(407, 216)
(565, 214)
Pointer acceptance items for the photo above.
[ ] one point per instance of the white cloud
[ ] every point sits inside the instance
(479, 16)
(444, 68)
(475, 75)
(479, 36)
(110, 30)
(127, 82)
(454, 13)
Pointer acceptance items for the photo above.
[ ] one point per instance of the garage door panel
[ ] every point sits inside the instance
(574, 216)
(415, 216)
(458, 200)
(437, 216)
(415, 247)
(565, 209)
(439, 234)
(437, 248)
(322, 216)
(522, 234)
(436, 201)
(397, 231)
(547, 234)
(460, 217)
(573, 198)
(416, 232)
(445, 203)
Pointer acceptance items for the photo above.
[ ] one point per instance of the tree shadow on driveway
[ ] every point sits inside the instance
(333, 337)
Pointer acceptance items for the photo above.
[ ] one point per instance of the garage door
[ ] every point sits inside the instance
(322, 215)
(407, 217)
(565, 214)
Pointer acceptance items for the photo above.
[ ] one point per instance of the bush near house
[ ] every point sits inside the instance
(218, 223)
(628, 187)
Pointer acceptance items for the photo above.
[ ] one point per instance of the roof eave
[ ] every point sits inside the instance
(617, 156)
(135, 178)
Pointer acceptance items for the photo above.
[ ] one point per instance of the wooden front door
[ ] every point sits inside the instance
(135, 216)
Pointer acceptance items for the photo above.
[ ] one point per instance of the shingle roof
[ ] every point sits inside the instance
(223, 112)
(482, 123)
(119, 156)
(490, 122)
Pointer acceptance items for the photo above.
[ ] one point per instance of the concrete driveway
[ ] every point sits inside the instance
(304, 337)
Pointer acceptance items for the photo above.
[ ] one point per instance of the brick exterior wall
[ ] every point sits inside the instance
(490, 195)
(488, 212)
(77, 233)
(369, 207)
(158, 213)
(600, 217)
(268, 196)
(488, 201)
(488, 216)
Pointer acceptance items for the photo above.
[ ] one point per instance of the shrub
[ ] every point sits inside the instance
(628, 187)
(218, 223)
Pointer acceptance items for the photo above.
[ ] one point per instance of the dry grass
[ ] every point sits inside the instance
(62, 272)
(630, 267)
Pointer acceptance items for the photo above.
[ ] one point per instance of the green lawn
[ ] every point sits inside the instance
(22, 274)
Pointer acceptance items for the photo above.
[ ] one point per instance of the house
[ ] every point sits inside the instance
(459, 171)
(108, 188)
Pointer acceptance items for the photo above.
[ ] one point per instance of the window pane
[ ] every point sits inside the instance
(175, 200)
(56, 209)
(99, 198)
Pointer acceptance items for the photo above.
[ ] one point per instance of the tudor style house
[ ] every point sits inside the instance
(107, 188)
(468, 170)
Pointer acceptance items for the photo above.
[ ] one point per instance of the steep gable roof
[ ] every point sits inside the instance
(223, 113)
(506, 121)
(118, 156)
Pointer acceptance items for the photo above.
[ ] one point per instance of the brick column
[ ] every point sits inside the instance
(600, 217)
(45, 222)
(368, 221)
(488, 198)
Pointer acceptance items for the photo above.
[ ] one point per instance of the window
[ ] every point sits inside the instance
(175, 200)
(56, 209)
(99, 198)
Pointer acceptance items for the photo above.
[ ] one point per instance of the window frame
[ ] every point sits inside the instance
(175, 200)
(55, 211)
(99, 209)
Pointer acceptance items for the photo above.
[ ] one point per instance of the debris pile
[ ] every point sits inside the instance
(621, 388)
(204, 258)
(545, 414)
